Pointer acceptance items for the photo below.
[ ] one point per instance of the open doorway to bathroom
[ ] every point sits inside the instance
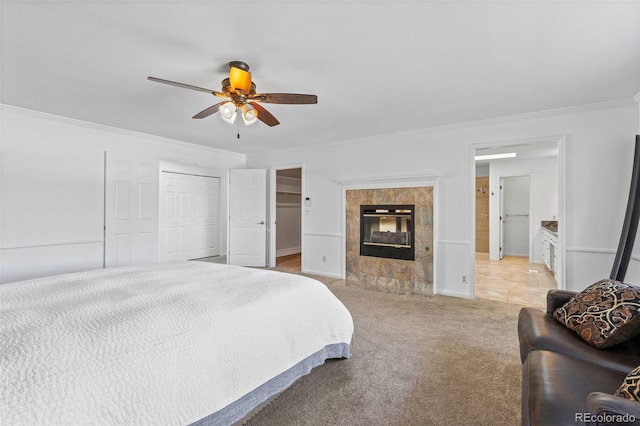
(288, 209)
(516, 192)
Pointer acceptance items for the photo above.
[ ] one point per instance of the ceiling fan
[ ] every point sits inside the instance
(243, 98)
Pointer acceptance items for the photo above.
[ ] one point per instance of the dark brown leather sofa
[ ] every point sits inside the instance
(565, 381)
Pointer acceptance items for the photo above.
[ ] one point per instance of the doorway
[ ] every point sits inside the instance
(288, 219)
(516, 187)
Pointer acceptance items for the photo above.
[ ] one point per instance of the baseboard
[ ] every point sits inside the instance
(453, 294)
(288, 251)
(322, 274)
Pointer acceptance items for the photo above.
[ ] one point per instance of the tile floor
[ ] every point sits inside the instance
(513, 280)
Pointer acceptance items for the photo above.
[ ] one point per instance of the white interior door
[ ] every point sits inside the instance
(501, 221)
(190, 217)
(174, 217)
(515, 216)
(272, 226)
(247, 217)
(131, 210)
(206, 218)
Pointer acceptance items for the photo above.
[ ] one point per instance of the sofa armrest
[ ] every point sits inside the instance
(614, 410)
(557, 298)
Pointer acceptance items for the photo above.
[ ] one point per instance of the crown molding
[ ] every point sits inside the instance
(119, 131)
(617, 103)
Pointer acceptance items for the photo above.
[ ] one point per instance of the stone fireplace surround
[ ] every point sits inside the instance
(392, 275)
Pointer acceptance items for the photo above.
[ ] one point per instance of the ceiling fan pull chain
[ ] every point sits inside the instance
(238, 123)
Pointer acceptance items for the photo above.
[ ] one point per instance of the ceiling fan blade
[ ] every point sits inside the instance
(264, 115)
(184, 86)
(208, 111)
(285, 98)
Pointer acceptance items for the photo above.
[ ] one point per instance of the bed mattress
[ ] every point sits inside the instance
(160, 344)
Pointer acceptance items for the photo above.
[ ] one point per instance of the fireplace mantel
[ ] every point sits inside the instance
(389, 182)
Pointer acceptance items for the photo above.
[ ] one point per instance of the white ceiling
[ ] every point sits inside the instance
(378, 67)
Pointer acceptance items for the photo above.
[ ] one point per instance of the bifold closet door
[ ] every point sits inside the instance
(190, 217)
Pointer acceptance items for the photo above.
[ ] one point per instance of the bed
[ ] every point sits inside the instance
(181, 343)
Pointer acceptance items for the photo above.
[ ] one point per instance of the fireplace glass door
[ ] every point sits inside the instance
(387, 231)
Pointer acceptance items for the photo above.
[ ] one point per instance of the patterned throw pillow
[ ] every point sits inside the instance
(630, 388)
(604, 314)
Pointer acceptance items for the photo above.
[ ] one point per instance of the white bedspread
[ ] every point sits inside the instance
(159, 344)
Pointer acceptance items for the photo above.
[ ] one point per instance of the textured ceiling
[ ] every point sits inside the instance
(378, 67)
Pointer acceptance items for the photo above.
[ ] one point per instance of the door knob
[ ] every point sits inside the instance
(260, 223)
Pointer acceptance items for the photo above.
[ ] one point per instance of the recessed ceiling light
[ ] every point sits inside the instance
(495, 156)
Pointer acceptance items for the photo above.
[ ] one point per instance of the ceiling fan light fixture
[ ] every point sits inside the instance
(240, 79)
(249, 114)
(228, 112)
(243, 98)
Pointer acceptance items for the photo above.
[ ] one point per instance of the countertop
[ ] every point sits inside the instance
(550, 226)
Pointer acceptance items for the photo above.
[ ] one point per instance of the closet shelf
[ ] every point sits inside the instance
(289, 192)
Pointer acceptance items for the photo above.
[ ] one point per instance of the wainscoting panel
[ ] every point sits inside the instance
(23, 263)
(322, 254)
(595, 264)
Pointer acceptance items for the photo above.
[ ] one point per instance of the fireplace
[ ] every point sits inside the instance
(387, 231)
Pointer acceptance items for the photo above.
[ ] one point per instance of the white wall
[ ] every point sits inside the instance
(52, 188)
(599, 147)
(543, 183)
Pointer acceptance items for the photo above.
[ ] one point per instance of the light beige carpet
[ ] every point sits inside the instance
(416, 360)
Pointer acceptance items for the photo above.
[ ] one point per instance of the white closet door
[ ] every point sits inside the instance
(190, 217)
(205, 192)
(175, 217)
(247, 217)
(131, 210)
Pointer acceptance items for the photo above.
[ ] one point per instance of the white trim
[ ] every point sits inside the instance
(323, 274)
(319, 234)
(623, 102)
(592, 250)
(288, 251)
(459, 243)
(455, 294)
(51, 244)
(181, 166)
(272, 212)
(117, 130)
(390, 182)
(596, 250)
(561, 140)
(561, 276)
